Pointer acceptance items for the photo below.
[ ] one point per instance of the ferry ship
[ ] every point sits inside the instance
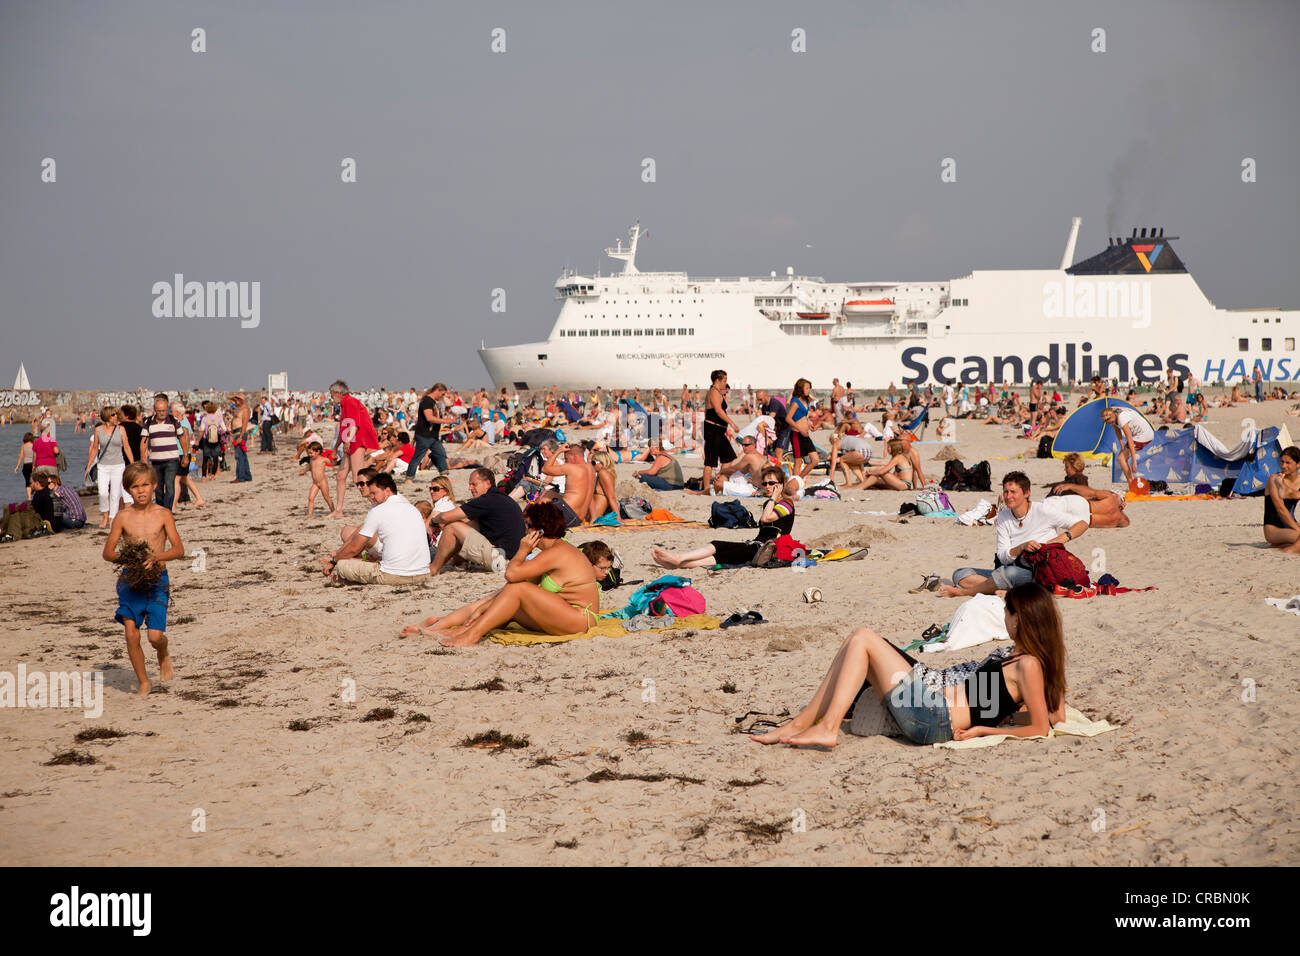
(1128, 313)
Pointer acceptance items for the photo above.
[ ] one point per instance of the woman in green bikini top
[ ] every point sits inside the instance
(554, 593)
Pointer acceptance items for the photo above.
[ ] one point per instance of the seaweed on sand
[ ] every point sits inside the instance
(496, 739)
(66, 757)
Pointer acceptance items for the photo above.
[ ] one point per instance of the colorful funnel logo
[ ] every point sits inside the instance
(1148, 254)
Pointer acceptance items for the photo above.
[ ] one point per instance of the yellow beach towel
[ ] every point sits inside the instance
(612, 627)
(1074, 725)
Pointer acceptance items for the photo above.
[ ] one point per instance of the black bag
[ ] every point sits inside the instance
(954, 476)
(1045, 446)
(979, 478)
(535, 436)
(957, 477)
(519, 470)
(731, 514)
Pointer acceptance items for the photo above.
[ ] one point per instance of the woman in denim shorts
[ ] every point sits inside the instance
(958, 703)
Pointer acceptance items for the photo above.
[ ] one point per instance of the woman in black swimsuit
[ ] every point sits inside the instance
(1281, 529)
(717, 431)
(931, 706)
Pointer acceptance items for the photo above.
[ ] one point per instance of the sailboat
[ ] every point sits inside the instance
(20, 381)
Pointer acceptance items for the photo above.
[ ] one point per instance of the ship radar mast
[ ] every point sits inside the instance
(628, 255)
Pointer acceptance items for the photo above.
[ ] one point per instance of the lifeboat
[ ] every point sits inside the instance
(813, 315)
(868, 306)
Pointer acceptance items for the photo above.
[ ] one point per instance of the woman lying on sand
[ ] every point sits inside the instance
(931, 709)
(1281, 529)
(554, 593)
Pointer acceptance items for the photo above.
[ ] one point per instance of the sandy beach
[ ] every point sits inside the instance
(1195, 775)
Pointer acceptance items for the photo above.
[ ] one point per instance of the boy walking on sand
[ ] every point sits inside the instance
(154, 525)
(315, 452)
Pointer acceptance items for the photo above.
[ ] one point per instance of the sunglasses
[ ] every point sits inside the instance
(362, 484)
(769, 483)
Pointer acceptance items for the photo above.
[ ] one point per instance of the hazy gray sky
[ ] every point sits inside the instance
(479, 170)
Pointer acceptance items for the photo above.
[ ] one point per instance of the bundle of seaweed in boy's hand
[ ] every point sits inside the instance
(138, 575)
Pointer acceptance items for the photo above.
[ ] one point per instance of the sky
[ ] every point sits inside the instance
(479, 170)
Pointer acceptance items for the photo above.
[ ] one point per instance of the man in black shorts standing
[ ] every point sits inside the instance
(718, 429)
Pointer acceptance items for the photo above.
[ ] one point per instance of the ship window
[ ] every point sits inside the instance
(582, 332)
(1289, 344)
(659, 331)
(604, 331)
(681, 331)
(1254, 321)
(1266, 345)
(1243, 345)
(542, 357)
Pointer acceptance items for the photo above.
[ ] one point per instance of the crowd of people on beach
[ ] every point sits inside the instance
(529, 486)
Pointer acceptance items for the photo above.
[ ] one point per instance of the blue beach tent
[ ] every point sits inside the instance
(1193, 456)
(1084, 432)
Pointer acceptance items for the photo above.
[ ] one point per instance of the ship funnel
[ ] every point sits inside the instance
(1067, 260)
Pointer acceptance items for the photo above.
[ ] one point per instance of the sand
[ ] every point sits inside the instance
(1196, 775)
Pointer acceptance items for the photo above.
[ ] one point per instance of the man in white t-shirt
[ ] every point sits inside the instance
(1021, 526)
(397, 528)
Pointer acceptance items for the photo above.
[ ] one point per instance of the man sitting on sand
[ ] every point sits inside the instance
(579, 479)
(397, 528)
(483, 531)
(1022, 526)
(742, 476)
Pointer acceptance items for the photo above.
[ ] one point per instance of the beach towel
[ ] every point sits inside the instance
(514, 634)
(641, 524)
(1132, 497)
(608, 519)
(642, 597)
(661, 514)
(1074, 725)
(1290, 605)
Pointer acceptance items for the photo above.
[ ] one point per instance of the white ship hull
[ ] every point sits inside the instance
(1106, 316)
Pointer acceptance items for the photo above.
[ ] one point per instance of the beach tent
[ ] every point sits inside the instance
(1194, 456)
(1084, 432)
(634, 406)
(20, 380)
(571, 413)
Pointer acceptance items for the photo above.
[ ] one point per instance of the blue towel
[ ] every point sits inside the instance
(645, 595)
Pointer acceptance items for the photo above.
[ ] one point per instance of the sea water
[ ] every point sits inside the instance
(75, 448)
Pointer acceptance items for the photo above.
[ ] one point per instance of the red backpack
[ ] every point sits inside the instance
(1053, 565)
